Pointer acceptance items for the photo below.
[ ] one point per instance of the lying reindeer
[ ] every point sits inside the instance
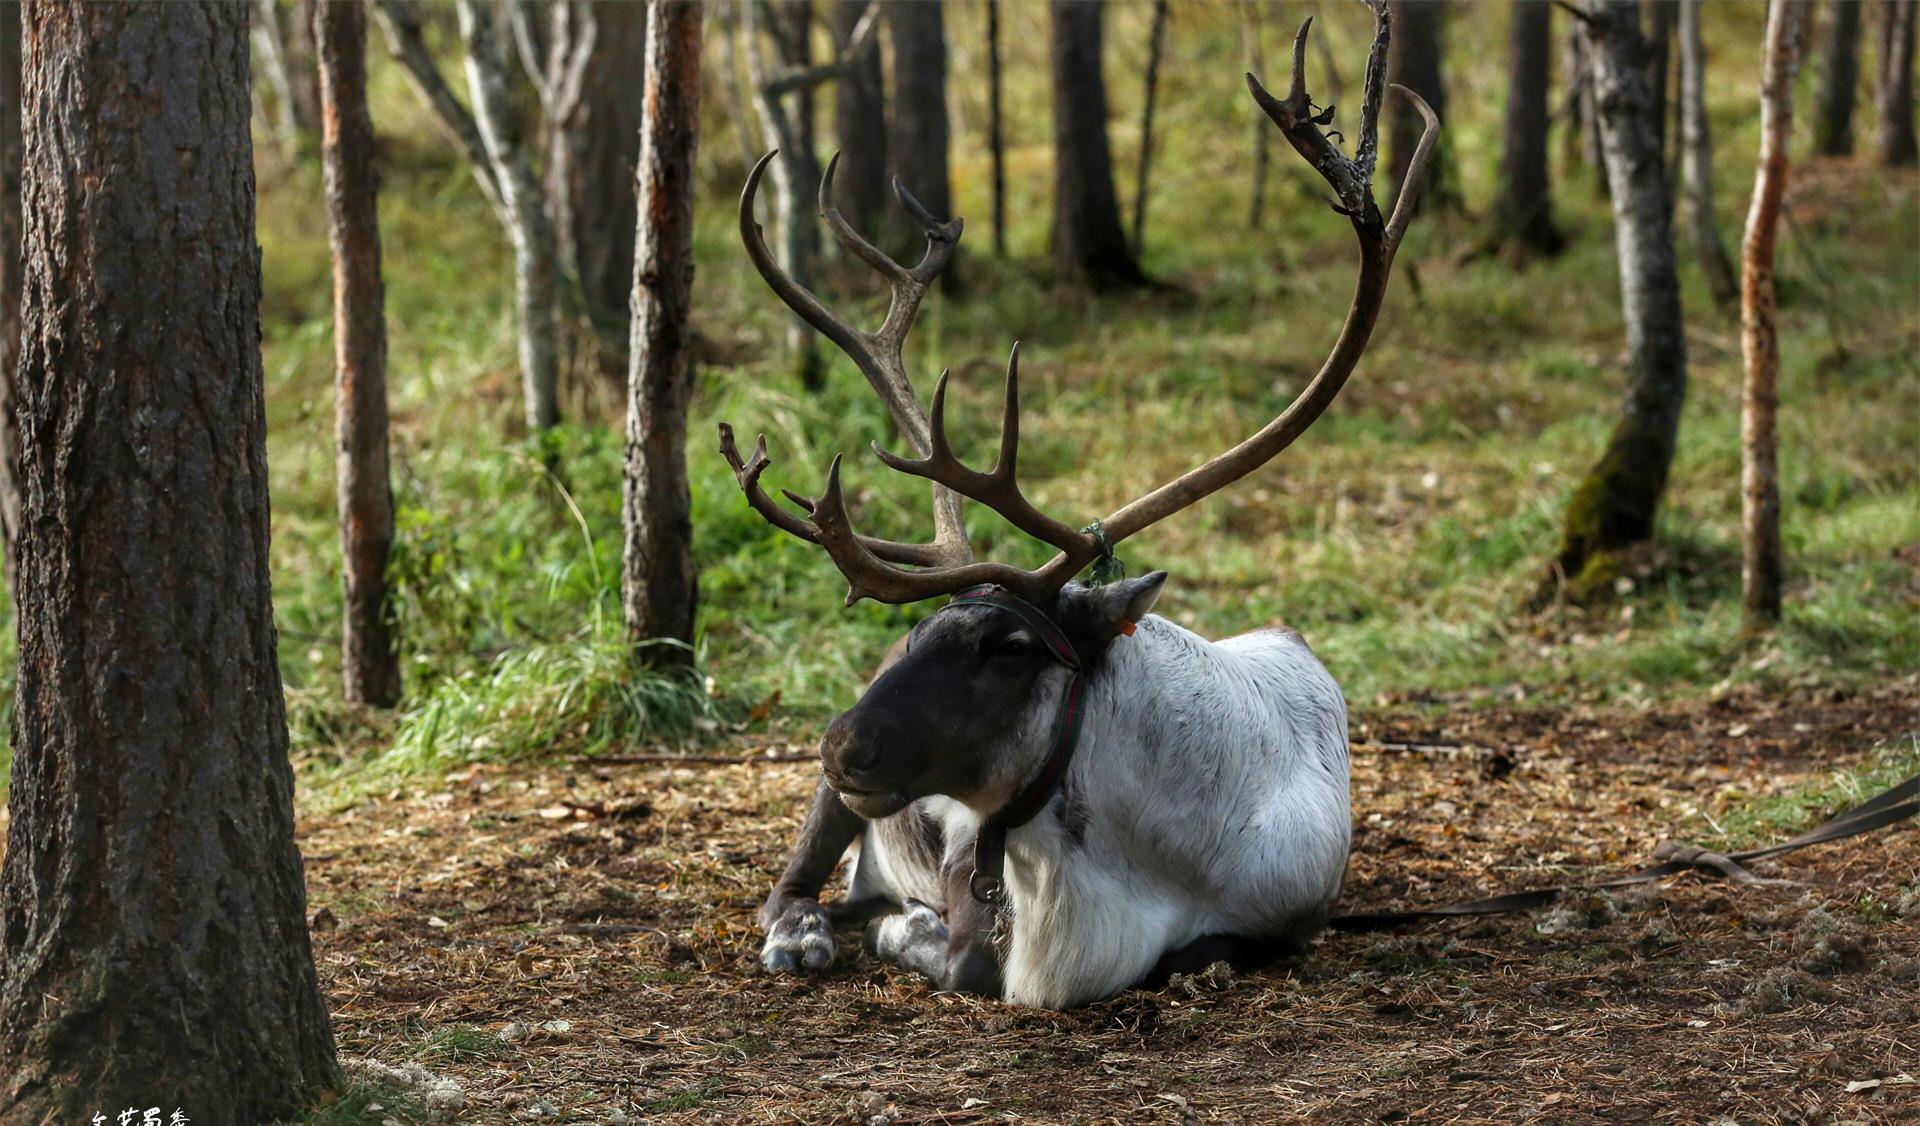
(1056, 794)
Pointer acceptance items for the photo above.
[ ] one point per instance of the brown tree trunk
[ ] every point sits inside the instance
(1155, 41)
(10, 153)
(919, 141)
(152, 905)
(1089, 244)
(1614, 506)
(1696, 145)
(595, 71)
(1760, 570)
(370, 664)
(536, 254)
(658, 581)
(1256, 66)
(1893, 134)
(860, 125)
(1839, 80)
(1413, 61)
(996, 131)
(1523, 209)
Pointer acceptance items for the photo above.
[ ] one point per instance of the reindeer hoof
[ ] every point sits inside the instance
(800, 939)
(916, 926)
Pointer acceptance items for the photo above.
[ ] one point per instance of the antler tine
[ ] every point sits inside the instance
(796, 296)
(747, 472)
(851, 239)
(1415, 182)
(943, 238)
(998, 489)
(868, 576)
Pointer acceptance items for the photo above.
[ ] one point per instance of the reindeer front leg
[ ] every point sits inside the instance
(799, 934)
(955, 954)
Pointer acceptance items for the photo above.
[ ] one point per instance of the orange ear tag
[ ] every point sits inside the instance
(1126, 627)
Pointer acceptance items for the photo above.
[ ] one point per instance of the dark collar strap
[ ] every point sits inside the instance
(990, 846)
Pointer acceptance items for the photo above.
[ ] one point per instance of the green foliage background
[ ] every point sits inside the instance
(1400, 536)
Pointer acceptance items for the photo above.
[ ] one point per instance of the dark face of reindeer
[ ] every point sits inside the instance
(967, 708)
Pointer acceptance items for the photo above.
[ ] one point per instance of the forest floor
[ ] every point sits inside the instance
(575, 943)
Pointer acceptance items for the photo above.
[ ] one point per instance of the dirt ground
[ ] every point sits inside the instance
(576, 944)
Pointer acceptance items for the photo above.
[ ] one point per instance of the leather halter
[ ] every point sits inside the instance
(990, 846)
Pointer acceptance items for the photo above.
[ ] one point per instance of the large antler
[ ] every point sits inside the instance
(870, 565)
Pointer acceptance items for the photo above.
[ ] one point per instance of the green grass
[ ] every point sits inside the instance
(1776, 817)
(1400, 535)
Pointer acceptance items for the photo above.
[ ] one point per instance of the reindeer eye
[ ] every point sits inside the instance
(1011, 645)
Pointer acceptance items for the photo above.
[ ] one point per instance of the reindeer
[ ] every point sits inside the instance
(1054, 793)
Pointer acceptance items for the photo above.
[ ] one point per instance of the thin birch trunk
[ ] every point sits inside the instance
(1615, 504)
(1697, 161)
(659, 584)
(272, 50)
(1761, 567)
(536, 273)
(369, 660)
(1156, 40)
(400, 23)
(996, 131)
(1250, 35)
(1893, 133)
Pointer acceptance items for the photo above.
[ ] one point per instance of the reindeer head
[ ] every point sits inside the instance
(962, 709)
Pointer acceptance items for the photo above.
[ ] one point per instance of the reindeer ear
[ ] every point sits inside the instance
(1119, 605)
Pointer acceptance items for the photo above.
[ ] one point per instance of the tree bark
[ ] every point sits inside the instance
(10, 284)
(1839, 81)
(1659, 15)
(996, 131)
(860, 125)
(1614, 506)
(1523, 208)
(1760, 570)
(1893, 134)
(1583, 111)
(152, 905)
(595, 66)
(659, 582)
(370, 663)
(1413, 61)
(796, 174)
(1697, 160)
(1155, 42)
(919, 143)
(1256, 66)
(303, 68)
(536, 255)
(1089, 245)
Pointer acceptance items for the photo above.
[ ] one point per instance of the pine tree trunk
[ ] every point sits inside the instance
(152, 905)
(1839, 81)
(1155, 42)
(1761, 568)
(860, 126)
(369, 661)
(10, 283)
(1089, 244)
(1893, 134)
(1697, 160)
(996, 131)
(1413, 61)
(659, 582)
(596, 67)
(1523, 209)
(1614, 506)
(919, 142)
(536, 255)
